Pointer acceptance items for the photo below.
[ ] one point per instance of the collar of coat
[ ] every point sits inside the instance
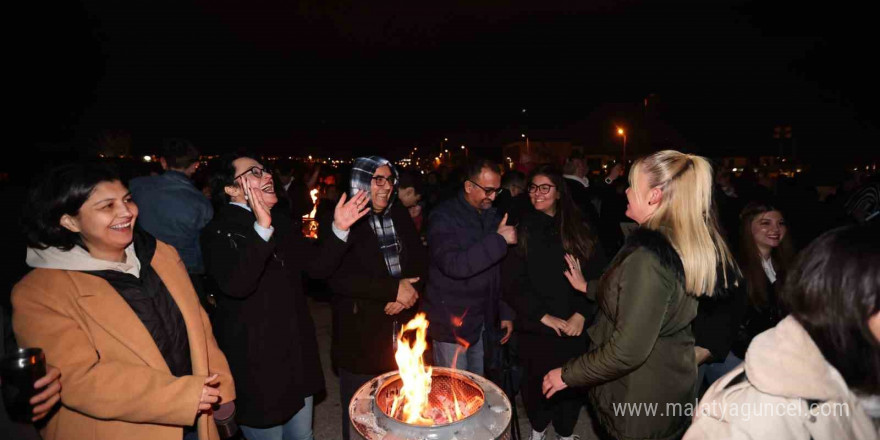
(659, 245)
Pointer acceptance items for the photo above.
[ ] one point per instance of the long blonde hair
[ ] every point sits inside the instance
(686, 216)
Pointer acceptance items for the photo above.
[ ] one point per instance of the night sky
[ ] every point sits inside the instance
(349, 78)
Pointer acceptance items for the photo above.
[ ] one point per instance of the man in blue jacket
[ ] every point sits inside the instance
(466, 243)
(172, 209)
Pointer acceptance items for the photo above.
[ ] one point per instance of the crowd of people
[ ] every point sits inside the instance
(173, 305)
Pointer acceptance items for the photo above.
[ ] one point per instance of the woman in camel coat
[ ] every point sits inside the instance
(114, 310)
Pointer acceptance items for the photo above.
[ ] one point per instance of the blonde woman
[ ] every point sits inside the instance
(643, 346)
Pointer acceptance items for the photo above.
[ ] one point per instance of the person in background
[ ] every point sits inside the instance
(766, 251)
(262, 321)
(817, 372)
(172, 209)
(113, 309)
(643, 345)
(466, 243)
(410, 193)
(514, 200)
(551, 314)
(375, 287)
(610, 193)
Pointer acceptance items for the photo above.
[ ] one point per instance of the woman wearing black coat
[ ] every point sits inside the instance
(262, 322)
(552, 315)
(375, 287)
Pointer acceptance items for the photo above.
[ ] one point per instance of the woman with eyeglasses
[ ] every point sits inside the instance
(552, 313)
(255, 262)
(643, 344)
(377, 284)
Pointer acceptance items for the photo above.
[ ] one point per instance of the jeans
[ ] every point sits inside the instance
(348, 385)
(470, 360)
(299, 427)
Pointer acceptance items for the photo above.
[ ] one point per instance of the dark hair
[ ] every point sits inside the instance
(750, 259)
(832, 290)
(512, 178)
(223, 174)
(62, 190)
(179, 153)
(577, 235)
(475, 167)
(411, 179)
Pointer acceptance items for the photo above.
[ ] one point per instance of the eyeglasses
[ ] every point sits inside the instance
(544, 189)
(488, 191)
(381, 180)
(255, 171)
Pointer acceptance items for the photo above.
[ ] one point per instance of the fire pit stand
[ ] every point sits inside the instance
(370, 422)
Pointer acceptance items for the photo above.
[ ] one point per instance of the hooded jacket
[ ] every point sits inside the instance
(785, 389)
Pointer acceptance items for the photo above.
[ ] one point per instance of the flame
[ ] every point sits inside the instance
(314, 194)
(310, 226)
(415, 375)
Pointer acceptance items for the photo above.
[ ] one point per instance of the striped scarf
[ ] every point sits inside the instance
(361, 177)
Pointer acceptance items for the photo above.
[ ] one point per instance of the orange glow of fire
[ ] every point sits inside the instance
(412, 404)
(415, 375)
(310, 226)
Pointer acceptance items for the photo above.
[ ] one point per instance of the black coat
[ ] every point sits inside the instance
(363, 334)
(534, 283)
(262, 322)
(759, 318)
(719, 316)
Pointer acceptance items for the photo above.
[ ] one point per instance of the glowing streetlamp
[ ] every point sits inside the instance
(620, 132)
(465, 151)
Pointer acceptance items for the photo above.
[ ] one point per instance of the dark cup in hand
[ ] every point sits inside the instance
(18, 372)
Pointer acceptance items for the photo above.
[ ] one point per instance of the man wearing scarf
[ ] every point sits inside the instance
(377, 284)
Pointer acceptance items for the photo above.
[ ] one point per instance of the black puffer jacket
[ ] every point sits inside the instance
(153, 304)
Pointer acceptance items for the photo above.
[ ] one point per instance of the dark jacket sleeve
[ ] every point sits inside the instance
(320, 260)
(645, 287)
(235, 259)
(452, 259)
(518, 292)
(718, 318)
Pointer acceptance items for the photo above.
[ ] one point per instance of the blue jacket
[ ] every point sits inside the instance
(173, 210)
(464, 276)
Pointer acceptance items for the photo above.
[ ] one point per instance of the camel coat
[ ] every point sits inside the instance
(115, 382)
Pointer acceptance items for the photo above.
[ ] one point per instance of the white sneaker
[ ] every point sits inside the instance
(537, 435)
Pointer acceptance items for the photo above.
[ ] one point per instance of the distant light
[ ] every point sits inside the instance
(523, 135)
(798, 170)
(446, 151)
(289, 157)
(855, 169)
(445, 139)
(423, 171)
(523, 110)
(733, 169)
(605, 167)
(310, 157)
(463, 147)
(620, 131)
(147, 158)
(783, 159)
(415, 148)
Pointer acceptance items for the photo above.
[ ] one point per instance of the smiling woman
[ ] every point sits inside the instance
(114, 310)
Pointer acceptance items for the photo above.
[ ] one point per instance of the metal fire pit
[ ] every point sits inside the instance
(367, 410)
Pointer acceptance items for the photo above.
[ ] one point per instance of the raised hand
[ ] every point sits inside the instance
(254, 197)
(406, 293)
(575, 325)
(507, 231)
(574, 274)
(560, 326)
(347, 213)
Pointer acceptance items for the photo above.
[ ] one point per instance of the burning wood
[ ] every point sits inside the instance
(310, 225)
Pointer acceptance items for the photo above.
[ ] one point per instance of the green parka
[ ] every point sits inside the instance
(641, 371)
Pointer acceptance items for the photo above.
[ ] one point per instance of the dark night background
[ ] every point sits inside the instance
(381, 77)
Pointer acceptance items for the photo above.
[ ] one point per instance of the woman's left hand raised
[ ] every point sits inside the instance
(574, 274)
(347, 213)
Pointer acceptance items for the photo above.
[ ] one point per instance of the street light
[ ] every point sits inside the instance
(620, 132)
(465, 151)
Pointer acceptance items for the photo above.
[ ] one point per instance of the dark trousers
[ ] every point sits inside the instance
(348, 385)
(540, 354)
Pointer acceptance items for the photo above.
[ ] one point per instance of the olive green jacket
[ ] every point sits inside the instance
(641, 370)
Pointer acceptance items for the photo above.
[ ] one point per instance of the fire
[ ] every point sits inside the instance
(415, 403)
(310, 226)
(314, 194)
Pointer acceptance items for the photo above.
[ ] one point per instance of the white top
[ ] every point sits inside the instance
(767, 264)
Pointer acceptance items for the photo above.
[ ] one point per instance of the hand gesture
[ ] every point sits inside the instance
(406, 293)
(575, 325)
(254, 197)
(574, 274)
(553, 383)
(507, 231)
(47, 398)
(347, 213)
(508, 326)
(558, 325)
(394, 308)
(210, 393)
